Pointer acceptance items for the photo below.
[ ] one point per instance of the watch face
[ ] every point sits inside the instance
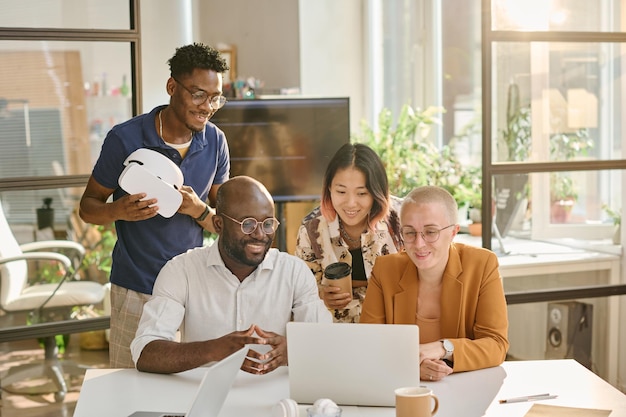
(448, 346)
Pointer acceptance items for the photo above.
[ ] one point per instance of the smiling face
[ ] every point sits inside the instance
(428, 257)
(249, 250)
(243, 198)
(350, 197)
(194, 117)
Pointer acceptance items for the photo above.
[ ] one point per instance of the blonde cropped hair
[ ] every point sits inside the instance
(433, 194)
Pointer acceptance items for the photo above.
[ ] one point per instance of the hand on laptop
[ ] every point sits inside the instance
(264, 363)
(334, 298)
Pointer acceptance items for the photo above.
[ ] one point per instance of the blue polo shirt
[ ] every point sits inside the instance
(143, 247)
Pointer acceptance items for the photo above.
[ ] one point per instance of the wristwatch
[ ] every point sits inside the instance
(204, 214)
(449, 347)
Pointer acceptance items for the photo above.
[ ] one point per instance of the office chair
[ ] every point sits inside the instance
(42, 301)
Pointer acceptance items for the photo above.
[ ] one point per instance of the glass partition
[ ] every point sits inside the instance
(57, 102)
(558, 15)
(65, 14)
(584, 205)
(557, 101)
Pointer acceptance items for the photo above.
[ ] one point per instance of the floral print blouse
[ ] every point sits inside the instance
(319, 244)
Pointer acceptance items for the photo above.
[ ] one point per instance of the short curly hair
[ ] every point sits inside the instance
(196, 55)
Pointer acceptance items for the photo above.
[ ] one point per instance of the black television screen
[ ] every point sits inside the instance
(286, 143)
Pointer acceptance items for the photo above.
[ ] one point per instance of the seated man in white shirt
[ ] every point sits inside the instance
(238, 291)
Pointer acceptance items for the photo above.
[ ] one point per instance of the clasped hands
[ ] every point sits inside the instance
(432, 367)
(256, 362)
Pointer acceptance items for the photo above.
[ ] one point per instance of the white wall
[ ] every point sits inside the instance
(315, 45)
(332, 52)
(264, 33)
(165, 26)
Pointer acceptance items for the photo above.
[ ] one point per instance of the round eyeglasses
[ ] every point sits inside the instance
(249, 224)
(429, 234)
(200, 97)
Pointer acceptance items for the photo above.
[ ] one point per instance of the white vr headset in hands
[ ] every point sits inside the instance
(150, 172)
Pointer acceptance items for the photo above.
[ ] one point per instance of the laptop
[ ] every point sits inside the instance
(212, 391)
(352, 364)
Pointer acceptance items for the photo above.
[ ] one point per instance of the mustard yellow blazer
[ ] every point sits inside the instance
(473, 307)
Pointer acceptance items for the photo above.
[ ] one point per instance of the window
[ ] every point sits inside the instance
(61, 91)
(554, 99)
(66, 14)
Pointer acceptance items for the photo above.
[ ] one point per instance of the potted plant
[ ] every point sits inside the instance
(616, 218)
(563, 196)
(469, 193)
(475, 215)
(563, 190)
(514, 144)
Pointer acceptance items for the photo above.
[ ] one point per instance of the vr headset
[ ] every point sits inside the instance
(150, 172)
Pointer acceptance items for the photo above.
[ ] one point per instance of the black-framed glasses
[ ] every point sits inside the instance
(200, 97)
(429, 234)
(249, 224)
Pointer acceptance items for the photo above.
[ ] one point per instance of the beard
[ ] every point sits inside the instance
(194, 129)
(236, 250)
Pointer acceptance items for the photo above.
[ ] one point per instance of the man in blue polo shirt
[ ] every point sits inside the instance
(146, 240)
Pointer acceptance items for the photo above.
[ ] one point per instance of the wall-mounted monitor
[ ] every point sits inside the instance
(286, 143)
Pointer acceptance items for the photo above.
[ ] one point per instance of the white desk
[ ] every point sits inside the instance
(120, 392)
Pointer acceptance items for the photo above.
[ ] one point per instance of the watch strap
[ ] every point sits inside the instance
(204, 214)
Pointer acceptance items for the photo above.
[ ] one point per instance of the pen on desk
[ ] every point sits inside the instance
(536, 397)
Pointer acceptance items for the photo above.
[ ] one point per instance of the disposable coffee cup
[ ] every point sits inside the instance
(338, 274)
(416, 402)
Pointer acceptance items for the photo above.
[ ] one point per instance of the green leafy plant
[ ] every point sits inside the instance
(562, 187)
(99, 254)
(97, 257)
(516, 138)
(614, 215)
(412, 160)
(616, 218)
(565, 147)
(48, 272)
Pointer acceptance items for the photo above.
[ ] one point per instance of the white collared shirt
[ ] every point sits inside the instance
(196, 293)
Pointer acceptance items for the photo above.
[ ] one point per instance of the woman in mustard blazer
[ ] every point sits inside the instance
(452, 291)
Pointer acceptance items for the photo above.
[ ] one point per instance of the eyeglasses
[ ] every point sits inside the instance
(429, 234)
(200, 97)
(249, 224)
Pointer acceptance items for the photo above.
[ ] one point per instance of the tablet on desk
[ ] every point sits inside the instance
(352, 364)
(212, 391)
